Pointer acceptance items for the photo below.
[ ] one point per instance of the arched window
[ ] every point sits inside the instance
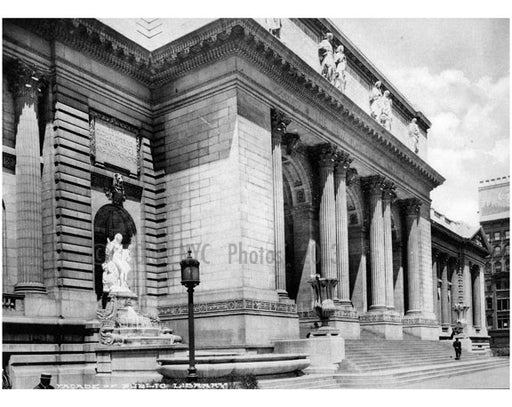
(497, 251)
(497, 267)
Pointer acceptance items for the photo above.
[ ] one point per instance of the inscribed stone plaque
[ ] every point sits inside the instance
(115, 146)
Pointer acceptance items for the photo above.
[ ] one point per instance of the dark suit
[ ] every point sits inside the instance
(457, 345)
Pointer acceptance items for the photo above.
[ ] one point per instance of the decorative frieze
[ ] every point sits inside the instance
(228, 306)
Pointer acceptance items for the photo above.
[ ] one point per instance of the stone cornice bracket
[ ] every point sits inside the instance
(279, 122)
(389, 190)
(26, 83)
(410, 206)
(373, 184)
(326, 154)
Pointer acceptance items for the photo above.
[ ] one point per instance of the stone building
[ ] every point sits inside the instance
(459, 254)
(230, 141)
(494, 202)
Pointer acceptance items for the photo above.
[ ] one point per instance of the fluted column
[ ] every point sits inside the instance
(435, 265)
(477, 299)
(279, 123)
(387, 198)
(343, 175)
(445, 301)
(374, 186)
(327, 156)
(26, 85)
(411, 208)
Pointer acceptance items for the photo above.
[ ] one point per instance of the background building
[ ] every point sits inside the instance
(494, 202)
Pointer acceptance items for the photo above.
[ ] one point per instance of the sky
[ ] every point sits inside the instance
(456, 71)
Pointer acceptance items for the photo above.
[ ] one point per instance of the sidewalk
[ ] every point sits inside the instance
(498, 378)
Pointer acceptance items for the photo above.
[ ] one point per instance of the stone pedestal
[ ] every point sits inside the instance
(325, 353)
(388, 325)
(420, 327)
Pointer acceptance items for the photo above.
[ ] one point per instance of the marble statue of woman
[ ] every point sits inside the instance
(385, 110)
(414, 134)
(326, 56)
(340, 60)
(116, 266)
(375, 96)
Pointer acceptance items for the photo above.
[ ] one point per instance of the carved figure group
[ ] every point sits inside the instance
(380, 105)
(332, 65)
(116, 266)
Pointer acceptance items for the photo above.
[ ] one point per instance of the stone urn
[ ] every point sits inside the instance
(461, 310)
(323, 289)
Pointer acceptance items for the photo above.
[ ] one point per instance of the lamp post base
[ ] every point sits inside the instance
(192, 375)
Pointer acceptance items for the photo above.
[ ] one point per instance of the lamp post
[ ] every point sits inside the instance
(190, 278)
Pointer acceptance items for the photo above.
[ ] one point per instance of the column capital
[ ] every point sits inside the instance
(343, 161)
(279, 122)
(326, 154)
(410, 206)
(291, 141)
(26, 81)
(388, 190)
(374, 184)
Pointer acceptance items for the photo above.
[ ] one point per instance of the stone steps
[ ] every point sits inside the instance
(398, 378)
(394, 378)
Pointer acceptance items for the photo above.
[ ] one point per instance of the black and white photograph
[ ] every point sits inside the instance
(233, 201)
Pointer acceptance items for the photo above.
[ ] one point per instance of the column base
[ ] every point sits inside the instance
(23, 288)
(386, 324)
(420, 326)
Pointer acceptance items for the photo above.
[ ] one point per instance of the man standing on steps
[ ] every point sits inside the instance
(458, 348)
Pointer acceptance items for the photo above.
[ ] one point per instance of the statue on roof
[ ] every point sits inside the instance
(326, 56)
(385, 117)
(375, 95)
(274, 26)
(340, 60)
(414, 134)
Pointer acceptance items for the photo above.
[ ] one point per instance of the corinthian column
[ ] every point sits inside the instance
(327, 156)
(374, 186)
(342, 265)
(387, 197)
(26, 85)
(279, 123)
(445, 300)
(477, 299)
(411, 208)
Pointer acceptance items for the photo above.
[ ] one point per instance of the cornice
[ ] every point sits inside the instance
(217, 40)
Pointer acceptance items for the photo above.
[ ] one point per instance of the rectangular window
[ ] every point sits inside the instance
(496, 235)
(488, 235)
(507, 234)
(503, 304)
(489, 303)
(503, 322)
(489, 322)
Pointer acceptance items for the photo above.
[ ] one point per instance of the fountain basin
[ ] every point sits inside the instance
(241, 364)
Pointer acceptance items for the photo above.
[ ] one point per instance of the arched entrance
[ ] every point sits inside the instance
(109, 220)
(300, 227)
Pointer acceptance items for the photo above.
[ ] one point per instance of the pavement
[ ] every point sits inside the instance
(498, 378)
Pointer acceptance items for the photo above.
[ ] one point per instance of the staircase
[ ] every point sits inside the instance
(372, 362)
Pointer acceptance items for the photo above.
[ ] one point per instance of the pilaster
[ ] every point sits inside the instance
(26, 84)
